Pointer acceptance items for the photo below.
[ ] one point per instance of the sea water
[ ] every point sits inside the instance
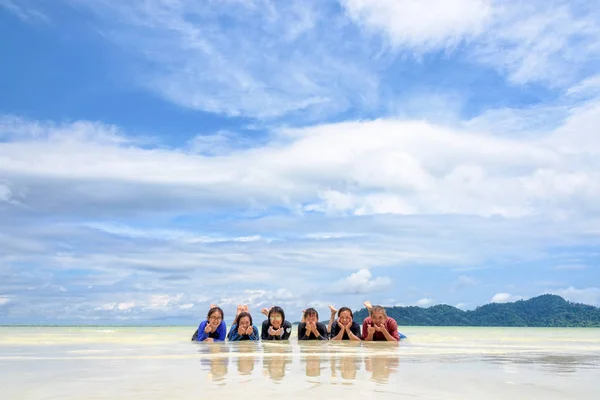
(433, 363)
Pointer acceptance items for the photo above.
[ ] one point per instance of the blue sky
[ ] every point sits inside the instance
(157, 156)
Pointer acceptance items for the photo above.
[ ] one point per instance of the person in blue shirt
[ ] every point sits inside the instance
(213, 329)
(242, 328)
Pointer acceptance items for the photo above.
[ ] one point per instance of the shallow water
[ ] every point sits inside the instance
(434, 363)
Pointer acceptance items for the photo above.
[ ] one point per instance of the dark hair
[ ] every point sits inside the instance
(342, 309)
(310, 311)
(242, 315)
(214, 310)
(279, 310)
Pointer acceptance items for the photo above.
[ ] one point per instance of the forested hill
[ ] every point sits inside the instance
(542, 311)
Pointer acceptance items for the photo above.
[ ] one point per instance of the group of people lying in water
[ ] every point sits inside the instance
(376, 327)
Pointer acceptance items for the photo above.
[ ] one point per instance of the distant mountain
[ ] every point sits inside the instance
(543, 311)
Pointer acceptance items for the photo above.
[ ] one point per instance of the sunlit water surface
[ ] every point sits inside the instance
(434, 363)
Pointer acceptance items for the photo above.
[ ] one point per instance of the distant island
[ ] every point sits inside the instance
(543, 311)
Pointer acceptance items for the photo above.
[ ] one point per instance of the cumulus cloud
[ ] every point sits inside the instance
(361, 282)
(589, 295)
(424, 302)
(505, 298)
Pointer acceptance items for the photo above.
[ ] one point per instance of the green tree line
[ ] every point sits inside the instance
(543, 311)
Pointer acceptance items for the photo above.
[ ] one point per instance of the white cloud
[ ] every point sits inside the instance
(268, 60)
(589, 295)
(361, 282)
(464, 282)
(163, 300)
(569, 267)
(24, 11)
(421, 25)
(505, 298)
(374, 167)
(4, 300)
(550, 42)
(424, 302)
(5, 192)
(589, 87)
(124, 306)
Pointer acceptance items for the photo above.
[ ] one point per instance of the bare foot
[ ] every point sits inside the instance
(332, 308)
(245, 308)
(213, 306)
(265, 311)
(368, 305)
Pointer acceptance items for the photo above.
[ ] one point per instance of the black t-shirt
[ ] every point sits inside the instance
(264, 331)
(335, 329)
(321, 328)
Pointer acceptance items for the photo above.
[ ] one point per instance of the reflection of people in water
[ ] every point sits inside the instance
(381, 366)
(216, 360)
(275, 361)
(246, 358)
(348, 365)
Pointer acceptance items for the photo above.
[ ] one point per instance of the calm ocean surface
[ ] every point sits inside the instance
(434, 363)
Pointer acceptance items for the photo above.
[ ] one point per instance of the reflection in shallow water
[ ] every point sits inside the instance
(216, 360)
(276, 357)
(247, 357)
(381, 367)
(346, 365)
(159, 363)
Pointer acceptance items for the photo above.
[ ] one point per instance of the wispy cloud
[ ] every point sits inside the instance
(569, 267)
(24, 10)
(269, 58)
(552, 43)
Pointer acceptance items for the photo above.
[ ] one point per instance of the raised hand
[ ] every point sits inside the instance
(208, 328)
(379, 328)
(371, 330)
(241, 331)
(249, 330)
